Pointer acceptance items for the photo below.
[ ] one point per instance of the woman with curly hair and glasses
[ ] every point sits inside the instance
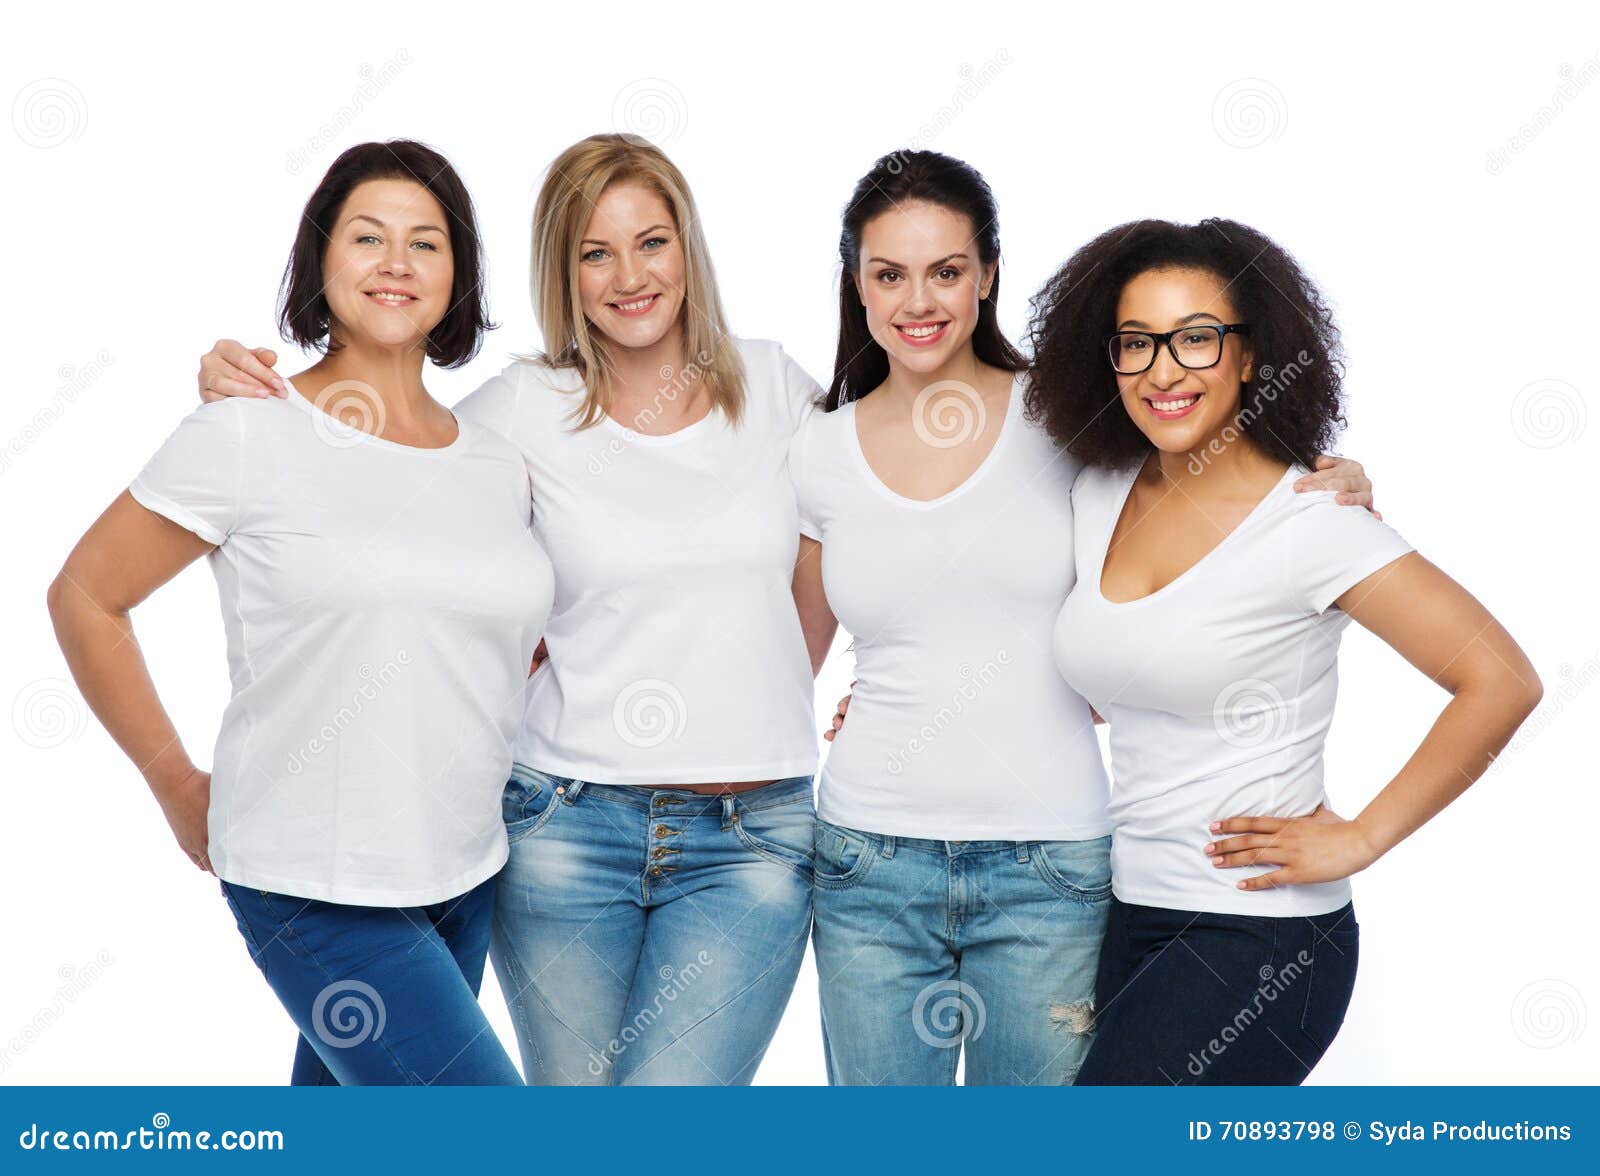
(1195, 371)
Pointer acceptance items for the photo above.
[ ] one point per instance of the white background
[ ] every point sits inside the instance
(1434, 171)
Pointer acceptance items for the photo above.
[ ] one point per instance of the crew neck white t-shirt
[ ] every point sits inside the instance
(676, 654)
(382, 603)
(960, 726)
(1219, 689)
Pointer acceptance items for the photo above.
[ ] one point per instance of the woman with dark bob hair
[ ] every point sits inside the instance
(1195, 370)
(382, 595)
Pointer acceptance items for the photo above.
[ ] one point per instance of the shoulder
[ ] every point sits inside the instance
(775, 382)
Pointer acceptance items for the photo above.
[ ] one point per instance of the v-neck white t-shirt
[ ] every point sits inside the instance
(960, 726)
(382, 603)
(676, 654)
(1219, 688)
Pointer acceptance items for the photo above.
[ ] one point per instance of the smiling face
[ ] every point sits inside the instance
(921, 281)
(387, 270)
(1181, 409)
(631, 267)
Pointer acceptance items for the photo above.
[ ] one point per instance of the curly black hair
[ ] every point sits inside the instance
(1292, 407)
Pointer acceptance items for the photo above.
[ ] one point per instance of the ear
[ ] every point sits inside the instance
(1247, 364)
(987, 284)
(855, 279)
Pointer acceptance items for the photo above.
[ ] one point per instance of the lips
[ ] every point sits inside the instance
(635, 307)
(1173, 408)
(389, 296)
(922, 334)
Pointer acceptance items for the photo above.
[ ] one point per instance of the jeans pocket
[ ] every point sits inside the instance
(842, 856)
(1331, 952)
(780, 833)
(1078, 870)
(529, 801)
(245, 930)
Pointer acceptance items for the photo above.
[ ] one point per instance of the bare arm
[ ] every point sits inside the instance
(126, 555)
(1439, 627)
(811, 602)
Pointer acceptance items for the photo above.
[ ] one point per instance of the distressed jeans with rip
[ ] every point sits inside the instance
(925, 948)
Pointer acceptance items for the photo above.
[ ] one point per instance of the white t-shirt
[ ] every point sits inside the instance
(382, 603)
(1219, 689)
(676, 654)
(960, 726)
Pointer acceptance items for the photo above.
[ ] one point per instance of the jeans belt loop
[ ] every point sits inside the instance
(573, 789)
(888, 847)
(1023, 849)
(727, 810)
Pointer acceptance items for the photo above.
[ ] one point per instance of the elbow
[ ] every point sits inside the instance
(55, 598)
(1530, 692)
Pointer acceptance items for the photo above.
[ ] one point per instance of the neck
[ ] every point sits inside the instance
(1225, 462)
(905, 385)
(394, 375)
(638, 370)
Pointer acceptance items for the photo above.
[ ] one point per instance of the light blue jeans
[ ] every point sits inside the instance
(925, 947)
(650, 935)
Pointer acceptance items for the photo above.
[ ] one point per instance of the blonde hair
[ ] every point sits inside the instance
(575, 182)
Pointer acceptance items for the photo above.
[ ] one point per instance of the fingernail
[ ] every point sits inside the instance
(1211, 848)
(1216, 826)
(1242, 886)
(1216, 861)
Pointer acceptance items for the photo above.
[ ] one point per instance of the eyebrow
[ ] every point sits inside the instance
(931, 264)
(381, 225)
(636, 236)
(1140, 325)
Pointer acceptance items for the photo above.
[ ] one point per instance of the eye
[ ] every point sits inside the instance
(888, 277)
(948, 273)
(429, 245)
(365, 237)
(654, 243)
(1135, 343)
(593, 255)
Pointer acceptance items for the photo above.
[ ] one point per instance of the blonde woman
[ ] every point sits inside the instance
(654, 912)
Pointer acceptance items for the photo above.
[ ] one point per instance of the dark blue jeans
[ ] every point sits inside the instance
(1187, 998)
(383, 996)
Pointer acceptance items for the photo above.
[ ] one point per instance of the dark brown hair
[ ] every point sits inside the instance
(303, 313)
(860, 363)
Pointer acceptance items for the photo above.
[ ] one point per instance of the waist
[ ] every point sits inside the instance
(683, 800)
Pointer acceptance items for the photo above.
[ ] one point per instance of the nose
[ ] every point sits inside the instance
(919, 297)
(396, 260)
(1166, 372)
(630, 273)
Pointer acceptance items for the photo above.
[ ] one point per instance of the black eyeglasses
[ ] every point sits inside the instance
(1198, 345)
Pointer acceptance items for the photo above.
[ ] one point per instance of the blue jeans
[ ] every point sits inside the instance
(650, 936)
(926, 946)
(383, 996)
(1191, 998)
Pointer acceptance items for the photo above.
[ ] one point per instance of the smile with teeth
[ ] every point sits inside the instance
(390, 297)
(637, 306)
(921, 332)
(1173, 405)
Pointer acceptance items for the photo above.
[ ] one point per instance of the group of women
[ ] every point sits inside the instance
(532, 679)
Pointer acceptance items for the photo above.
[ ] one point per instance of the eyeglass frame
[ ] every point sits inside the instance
(1164, 339)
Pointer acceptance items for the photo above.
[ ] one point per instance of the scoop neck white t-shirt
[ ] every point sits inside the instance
(381, 603)
(960, 726)
(676, 653)
(1219, 688)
